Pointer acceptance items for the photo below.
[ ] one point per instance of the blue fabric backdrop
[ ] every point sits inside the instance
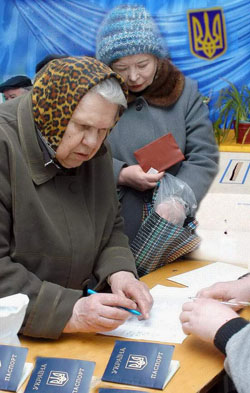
(31, 29)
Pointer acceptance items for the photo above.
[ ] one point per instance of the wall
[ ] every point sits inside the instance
(31, 29)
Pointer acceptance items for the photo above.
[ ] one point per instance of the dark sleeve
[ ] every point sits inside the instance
(117, 167)
(226, 331)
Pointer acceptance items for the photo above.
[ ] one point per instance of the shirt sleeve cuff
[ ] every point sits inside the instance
(51, 311)
(226, 331)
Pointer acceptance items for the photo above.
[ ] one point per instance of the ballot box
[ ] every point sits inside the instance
(224, 213)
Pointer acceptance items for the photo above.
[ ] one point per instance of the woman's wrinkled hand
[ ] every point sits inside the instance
(102, 312)
(99, 313)
(133, 176)
(125, 284)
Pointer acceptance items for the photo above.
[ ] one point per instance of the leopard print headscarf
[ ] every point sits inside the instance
(58, 90)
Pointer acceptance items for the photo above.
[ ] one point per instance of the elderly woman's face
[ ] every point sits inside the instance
(86, 130)
(138, 71)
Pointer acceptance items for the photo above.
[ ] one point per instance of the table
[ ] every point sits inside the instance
(201, 365)
(229, 144)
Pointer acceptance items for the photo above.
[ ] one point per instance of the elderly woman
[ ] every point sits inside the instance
(161, 101)
(60, 227)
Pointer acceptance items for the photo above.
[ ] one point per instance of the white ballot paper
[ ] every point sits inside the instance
(164, 324)
(210, 274)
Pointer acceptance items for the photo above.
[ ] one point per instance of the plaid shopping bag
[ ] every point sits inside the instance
(159, 242)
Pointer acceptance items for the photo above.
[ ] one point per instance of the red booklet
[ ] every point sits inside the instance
(160, 154)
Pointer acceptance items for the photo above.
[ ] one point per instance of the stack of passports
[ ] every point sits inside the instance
(145, 364)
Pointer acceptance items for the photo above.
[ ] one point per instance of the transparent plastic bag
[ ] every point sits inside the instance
(174, 200)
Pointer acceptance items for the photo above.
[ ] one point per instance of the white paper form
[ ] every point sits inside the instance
(209, 274)
(164, 324)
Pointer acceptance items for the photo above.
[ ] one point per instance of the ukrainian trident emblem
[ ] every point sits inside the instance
(207, 33)
(57, 378)
(136, 362)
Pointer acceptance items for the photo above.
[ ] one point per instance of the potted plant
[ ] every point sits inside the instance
(233, 105)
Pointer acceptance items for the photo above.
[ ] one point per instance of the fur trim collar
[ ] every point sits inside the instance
(166, 88)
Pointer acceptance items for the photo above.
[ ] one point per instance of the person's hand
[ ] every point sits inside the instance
(125, 284)
(203, 317)
(99, 313)
(134, 177)
(172, 210)
(234, 291)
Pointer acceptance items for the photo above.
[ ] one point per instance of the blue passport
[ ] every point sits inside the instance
(140, 364)
(60, 375)
(12, 360)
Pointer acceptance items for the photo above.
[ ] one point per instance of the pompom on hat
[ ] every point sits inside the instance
(128, 30)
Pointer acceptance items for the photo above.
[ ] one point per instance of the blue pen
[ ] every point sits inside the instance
(91, 292)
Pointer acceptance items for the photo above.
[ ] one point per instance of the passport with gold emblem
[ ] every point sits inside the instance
(145, 364)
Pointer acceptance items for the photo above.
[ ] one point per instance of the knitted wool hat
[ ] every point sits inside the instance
(128, 30)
